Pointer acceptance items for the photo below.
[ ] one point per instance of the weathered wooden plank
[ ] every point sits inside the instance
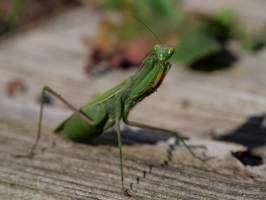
(218, 104)
(71, 170)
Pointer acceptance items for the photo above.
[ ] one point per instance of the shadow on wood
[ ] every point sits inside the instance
(220, 60)
(132, 136)
(251, 134)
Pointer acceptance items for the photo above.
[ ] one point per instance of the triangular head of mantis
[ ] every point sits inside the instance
(163, 54)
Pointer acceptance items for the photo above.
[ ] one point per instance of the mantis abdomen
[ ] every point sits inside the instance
(75, 128)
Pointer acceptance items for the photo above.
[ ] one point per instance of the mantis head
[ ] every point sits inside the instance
(163, 53)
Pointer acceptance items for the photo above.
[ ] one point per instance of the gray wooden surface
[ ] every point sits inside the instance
(229, 105)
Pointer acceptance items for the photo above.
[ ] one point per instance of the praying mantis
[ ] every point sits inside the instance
(113, 106)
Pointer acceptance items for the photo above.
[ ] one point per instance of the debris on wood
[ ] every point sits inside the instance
(14, 86)
(115, 56)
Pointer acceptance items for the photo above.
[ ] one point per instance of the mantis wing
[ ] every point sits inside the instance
(95, 101)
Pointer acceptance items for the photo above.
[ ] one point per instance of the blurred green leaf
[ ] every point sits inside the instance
(14, 14)
(246, 38)
(201, 35)
(221, 25)
(161, 15)
(225, 16)
(114, 4)
(195, 45)
(9, 23)
(264, 34)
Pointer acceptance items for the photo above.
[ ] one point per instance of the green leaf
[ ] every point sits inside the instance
(221, 25)
(263, 34)
(225, 16)
(14, 14)
(154, 13)
(195, 45)
(114, 4)
(246, 38)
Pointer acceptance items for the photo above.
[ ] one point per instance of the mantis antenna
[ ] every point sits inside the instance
(144, 24)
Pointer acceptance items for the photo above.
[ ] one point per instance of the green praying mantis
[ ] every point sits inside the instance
(110, 108)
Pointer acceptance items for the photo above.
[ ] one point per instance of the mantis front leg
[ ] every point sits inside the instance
(174, 133)
(118, 109)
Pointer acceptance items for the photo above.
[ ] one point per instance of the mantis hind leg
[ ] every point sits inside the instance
(69, 105)
(174, 133)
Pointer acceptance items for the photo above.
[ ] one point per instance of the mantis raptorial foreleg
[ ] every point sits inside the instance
(118, 110)
(119, 141)
(69, 105)
(174, 133)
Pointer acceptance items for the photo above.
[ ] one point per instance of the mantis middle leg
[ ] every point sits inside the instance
(174, 133)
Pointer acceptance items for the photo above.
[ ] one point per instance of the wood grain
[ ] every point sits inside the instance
(224, 103)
